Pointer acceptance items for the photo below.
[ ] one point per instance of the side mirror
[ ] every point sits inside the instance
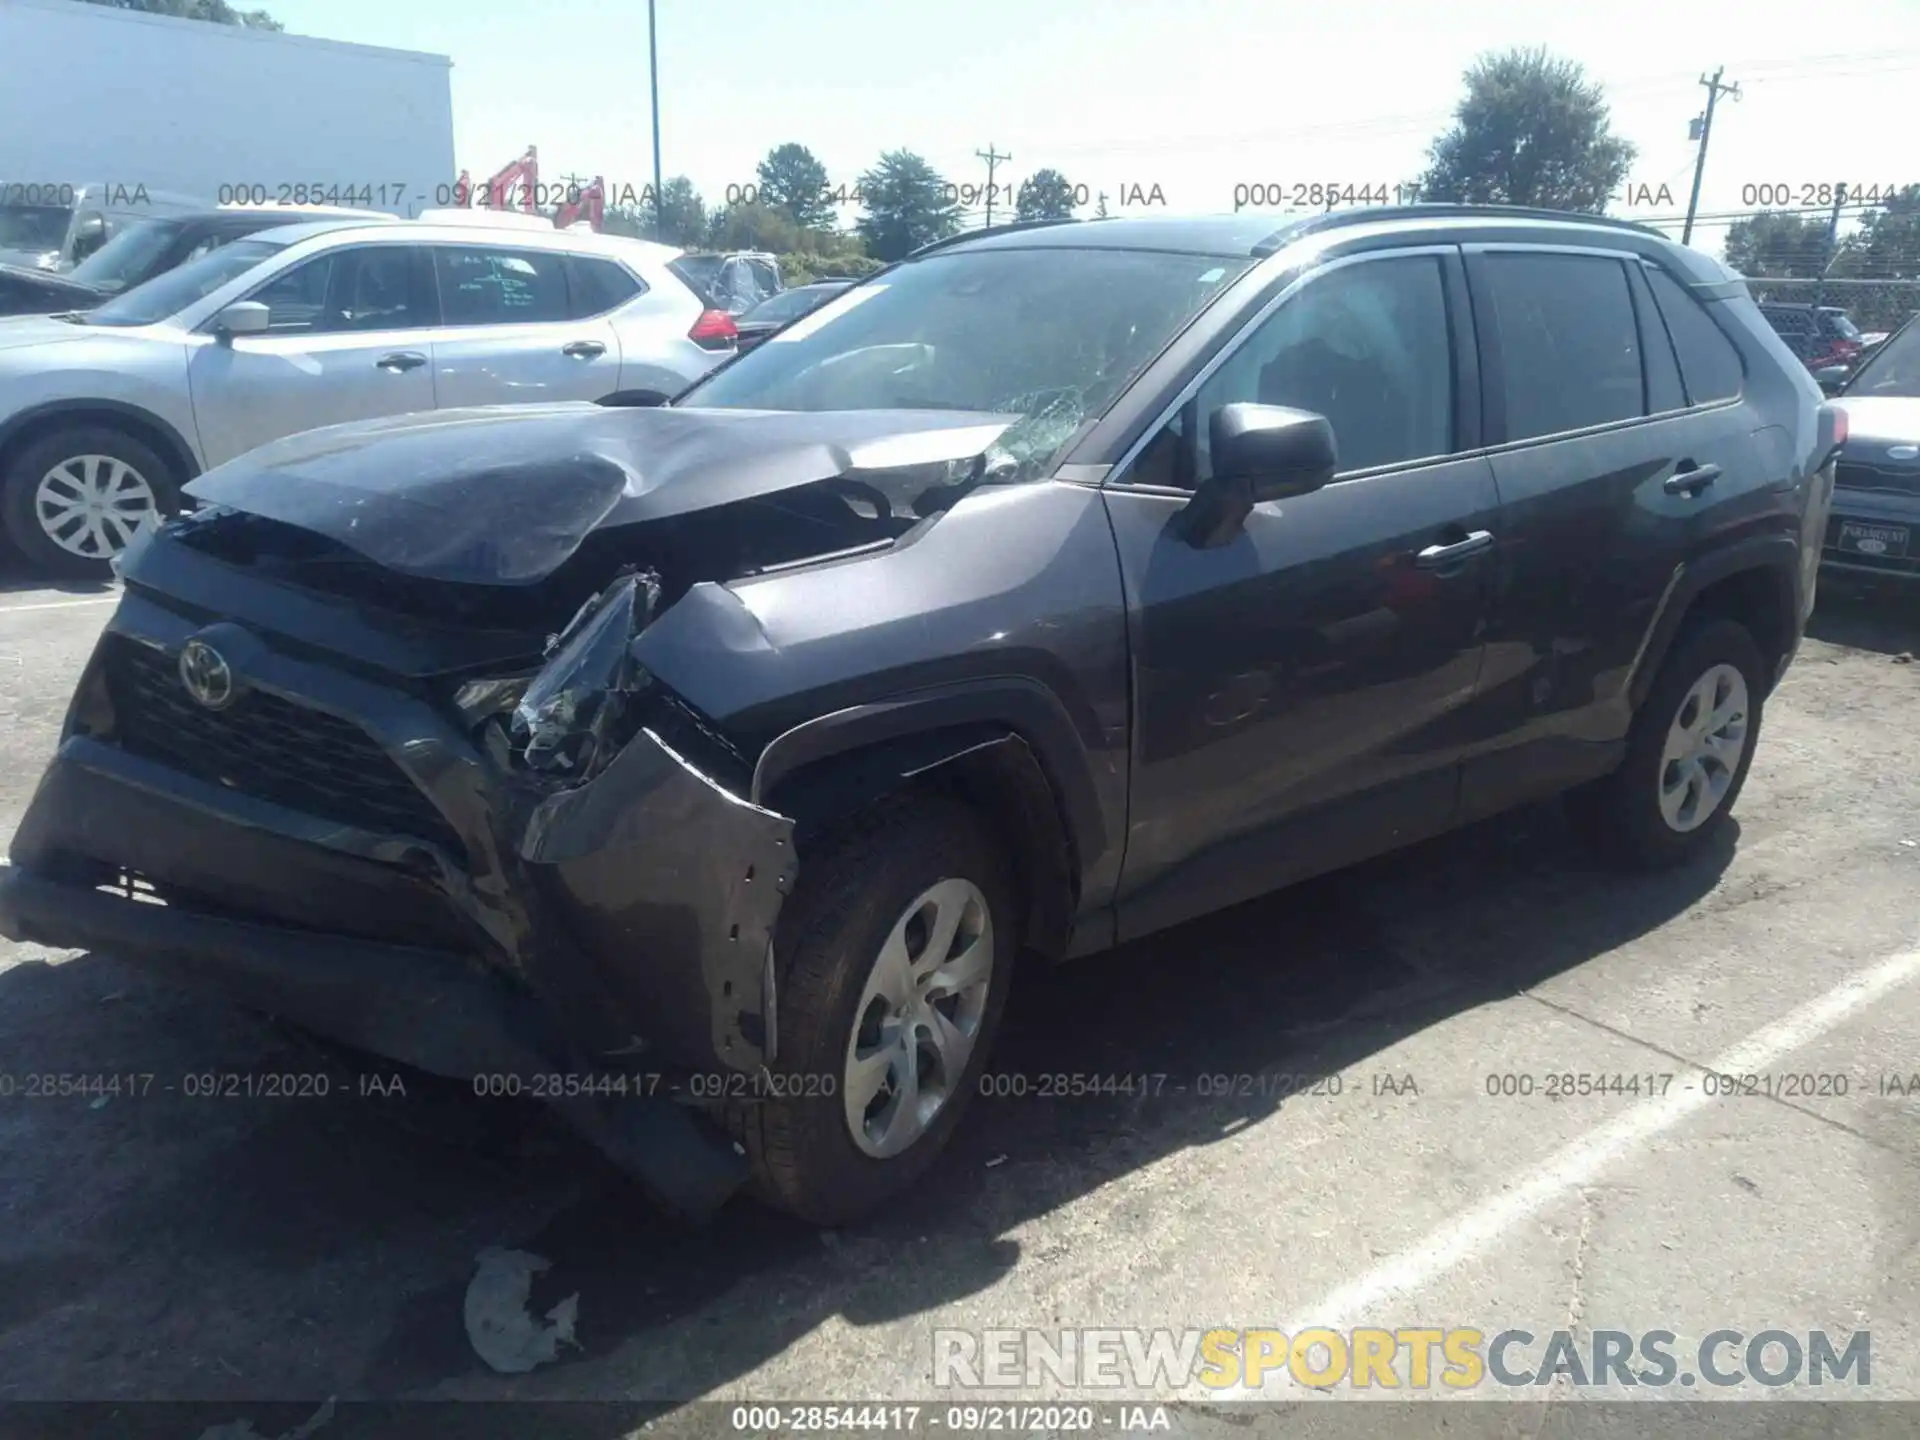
(243, 317)
(1259, 452)
(1832, 377)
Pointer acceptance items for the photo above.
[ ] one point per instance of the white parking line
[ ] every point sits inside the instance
(58, 604)
(1478, 1229)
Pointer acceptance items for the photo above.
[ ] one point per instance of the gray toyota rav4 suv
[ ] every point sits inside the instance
(706, 767)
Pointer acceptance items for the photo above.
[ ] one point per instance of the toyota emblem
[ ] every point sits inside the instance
(206, 674)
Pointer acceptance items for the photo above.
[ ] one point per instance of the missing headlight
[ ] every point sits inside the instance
(568, 722)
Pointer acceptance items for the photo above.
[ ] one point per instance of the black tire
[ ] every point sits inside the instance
(853, 890)
(1621, 813)
(41, 552)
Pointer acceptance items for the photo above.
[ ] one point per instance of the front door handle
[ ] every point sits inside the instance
(584, 350)
(1439, 557)
(1691, 479)
(401, 360)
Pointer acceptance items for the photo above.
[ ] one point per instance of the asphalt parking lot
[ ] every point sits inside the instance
(257, 1254)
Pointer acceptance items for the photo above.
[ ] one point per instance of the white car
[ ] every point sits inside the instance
(105, 415)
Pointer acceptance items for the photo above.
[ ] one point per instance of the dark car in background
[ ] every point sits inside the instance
(1820, 336)
(138, 253)
(716, 763)
(780, 311)
(1875, 526)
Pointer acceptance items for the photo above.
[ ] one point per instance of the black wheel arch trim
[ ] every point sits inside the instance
(185, 461)
(1778, 554)
(941, 723)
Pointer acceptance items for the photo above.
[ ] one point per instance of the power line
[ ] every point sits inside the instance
(1388, 126)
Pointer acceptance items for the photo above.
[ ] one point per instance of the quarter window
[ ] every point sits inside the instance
(1708, 362)
(1568, 343)
(482, 285)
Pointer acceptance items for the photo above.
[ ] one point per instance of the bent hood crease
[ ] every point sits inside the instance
(504, 495)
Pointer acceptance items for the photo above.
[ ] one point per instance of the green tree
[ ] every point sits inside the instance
(1887, 244)
(791, 179)
(754, 227)
(217, 11)
(1532, 130)
(682, 215)
(1045, 195)
(907, 204)
(1777, 243)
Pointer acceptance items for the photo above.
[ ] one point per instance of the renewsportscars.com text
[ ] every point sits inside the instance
(1409, 1358)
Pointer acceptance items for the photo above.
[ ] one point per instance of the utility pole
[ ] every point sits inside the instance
(653, 86)
(1702, 128)
(992, 157)
(1831, 252)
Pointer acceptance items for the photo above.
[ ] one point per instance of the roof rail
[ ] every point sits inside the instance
(1009, 228)
(1335, 219)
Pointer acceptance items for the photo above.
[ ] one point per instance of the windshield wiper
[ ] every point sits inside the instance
(72, 317)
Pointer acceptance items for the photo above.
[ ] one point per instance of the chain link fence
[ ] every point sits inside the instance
(1872, 305)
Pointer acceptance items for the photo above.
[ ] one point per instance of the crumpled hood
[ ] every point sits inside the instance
(505, 494)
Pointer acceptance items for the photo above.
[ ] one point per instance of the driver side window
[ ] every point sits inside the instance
(1365, 345)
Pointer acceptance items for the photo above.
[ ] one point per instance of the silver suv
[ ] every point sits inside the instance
(105, 415)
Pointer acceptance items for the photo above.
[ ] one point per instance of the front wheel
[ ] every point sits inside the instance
(75, 498)
(1687, 754)
(894, 958)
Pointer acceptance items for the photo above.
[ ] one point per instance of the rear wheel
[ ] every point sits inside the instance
(75, 498)
(1687, 753)
(895, 955)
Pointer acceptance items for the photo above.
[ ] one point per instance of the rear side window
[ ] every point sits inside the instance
(598, 286)
(1708, 362)
(1568, 343)
(489, 285)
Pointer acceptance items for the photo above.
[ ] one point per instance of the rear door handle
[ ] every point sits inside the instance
(1691, 479)
(401, 360)
(584, 350)
(1439, 557)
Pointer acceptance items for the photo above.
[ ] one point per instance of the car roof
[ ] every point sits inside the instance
(289, 217)
(583, 242)
(1248, 234)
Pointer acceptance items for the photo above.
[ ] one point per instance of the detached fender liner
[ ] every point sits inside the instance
(431, 1009)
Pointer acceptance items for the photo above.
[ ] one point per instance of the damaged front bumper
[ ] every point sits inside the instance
(620, 926)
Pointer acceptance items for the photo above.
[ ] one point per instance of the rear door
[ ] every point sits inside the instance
(1606, 473)
(509, 335)
(348, 339)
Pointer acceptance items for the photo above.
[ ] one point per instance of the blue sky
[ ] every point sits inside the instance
(1194, 97)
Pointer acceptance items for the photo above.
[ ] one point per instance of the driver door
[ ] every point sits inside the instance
(1299, 690)
(347, 339)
